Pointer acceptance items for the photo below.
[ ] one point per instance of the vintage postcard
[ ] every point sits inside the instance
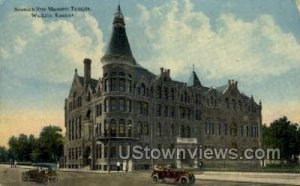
(139, 92)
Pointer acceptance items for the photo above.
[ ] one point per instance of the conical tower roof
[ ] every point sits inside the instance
(194, 80)
(119, 47)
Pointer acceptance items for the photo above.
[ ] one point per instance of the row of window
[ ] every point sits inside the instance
(74, 153)
(233, 130)
(74, 129)
(75, 103)
(117, 104)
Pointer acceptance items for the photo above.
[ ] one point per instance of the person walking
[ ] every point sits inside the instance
(15, 164)
(118, 166)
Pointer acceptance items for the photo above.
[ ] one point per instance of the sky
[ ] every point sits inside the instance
(254, 42)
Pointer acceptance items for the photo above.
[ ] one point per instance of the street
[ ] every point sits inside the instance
(12, 177)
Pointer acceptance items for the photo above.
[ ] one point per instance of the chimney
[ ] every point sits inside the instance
(161, 70)
(87, 72)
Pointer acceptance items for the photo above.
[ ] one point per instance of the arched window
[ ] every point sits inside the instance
(121, 128)
(142, 90)
(188, 132)
(79, 101)
(233, 104)
(240, 104)
(159, 131)
(227, 102)
(182, 131)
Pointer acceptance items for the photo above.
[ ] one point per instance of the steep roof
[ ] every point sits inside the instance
(119, 47)
(194, 80)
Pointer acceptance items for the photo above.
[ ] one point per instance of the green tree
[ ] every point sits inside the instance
(285, 135)
(21, 147)
(3, 154)
(50, 144)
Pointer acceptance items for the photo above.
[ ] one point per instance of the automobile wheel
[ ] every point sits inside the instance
(184, 181)
(155, 178)
(46, 181)
(25, 177)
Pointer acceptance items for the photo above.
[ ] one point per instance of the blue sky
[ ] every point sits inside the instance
(254, 42)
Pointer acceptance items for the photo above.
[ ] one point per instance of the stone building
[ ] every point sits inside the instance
(130, 106)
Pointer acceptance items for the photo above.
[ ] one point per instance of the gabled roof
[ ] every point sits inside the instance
(222, 88)
(93, 82)
(194, 80)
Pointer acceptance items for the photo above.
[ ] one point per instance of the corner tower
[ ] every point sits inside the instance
(118, 49)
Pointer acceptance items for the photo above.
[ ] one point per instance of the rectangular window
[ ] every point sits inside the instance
(122, 105)
(225, 129)
(166, 111)
(158, 113)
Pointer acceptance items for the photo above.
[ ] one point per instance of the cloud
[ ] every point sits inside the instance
(48, 50)
(248, 51)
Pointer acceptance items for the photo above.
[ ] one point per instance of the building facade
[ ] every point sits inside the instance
(130, 106)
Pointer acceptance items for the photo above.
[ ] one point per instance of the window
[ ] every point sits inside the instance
(128, 129)
(122, 104)
(122, 128)
(166, 111)
(227, 102)
(159, 131)
(140, 128)
(172, 112)
(172, 94)
(158, 113)
(225, 129)
(99, 109)
(188, 132)
(113, 104)
(128, 104)
(145, 108)
(146, 129)
(122, 84)
(114, 85)
(79, 101)
(166, 93)
(219, 129)
(142, 90)
(159, 94)
(182, 131)
(113, 128)
(172, 130)
(242, 130)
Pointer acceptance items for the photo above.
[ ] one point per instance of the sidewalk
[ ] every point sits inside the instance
(253, 177)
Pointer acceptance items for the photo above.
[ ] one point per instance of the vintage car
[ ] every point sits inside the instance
(162, 173)
(42, 173)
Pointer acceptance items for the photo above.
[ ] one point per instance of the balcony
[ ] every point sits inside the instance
(182, 140)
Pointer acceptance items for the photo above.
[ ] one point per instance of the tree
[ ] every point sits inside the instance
(21, 147)
(3, 154)
(50, 143)
(285, 135)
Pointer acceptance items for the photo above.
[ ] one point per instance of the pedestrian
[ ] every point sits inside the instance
(15, 163)
(118, 165)
(11, 163)
(124, 166)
